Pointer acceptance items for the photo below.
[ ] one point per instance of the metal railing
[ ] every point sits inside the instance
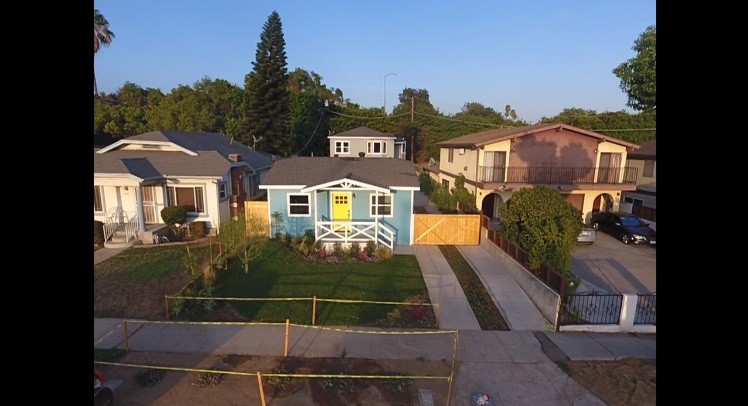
(590, 308)
(557, 175)
(646, 309)
(116, 217)
(355, 231)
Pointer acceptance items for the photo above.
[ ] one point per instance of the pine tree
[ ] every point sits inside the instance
(267, 110)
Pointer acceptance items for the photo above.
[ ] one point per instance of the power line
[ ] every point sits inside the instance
(313, 132)
(368, 118)
(467, 122)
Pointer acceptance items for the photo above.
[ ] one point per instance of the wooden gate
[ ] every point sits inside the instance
(447, 229)
(258, 222)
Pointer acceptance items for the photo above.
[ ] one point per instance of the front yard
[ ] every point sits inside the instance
(135, 283)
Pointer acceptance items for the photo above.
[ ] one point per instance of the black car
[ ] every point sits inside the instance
(624, 226)
(103, 393)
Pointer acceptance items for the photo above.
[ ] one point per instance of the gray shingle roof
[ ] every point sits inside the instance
(361, 132)
(312, 171)
(494, 135)
(212, 150)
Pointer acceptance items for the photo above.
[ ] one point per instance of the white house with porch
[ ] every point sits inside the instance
(208, 173)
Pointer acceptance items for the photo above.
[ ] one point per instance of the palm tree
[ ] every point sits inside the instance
(102, 36)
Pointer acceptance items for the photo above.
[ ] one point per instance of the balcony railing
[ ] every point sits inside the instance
(557, 175)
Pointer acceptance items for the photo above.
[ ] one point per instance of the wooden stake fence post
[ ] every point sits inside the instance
(285, 351)
(127, 344)
(262, 392)
(314, 308)
(166, 300)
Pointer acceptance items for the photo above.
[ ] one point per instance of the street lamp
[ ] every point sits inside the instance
(384, 109)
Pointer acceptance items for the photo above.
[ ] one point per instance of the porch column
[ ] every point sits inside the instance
(316, 231)
(139, 206)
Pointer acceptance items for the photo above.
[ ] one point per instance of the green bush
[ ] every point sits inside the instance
(355, 250)
(98, 232)
(174, 215)
(371, 246)
(544, 225)
(382, 253)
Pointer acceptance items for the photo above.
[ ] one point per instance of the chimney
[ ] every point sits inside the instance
(235, 157)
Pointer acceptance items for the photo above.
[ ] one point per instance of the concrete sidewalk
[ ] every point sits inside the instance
(512, 366)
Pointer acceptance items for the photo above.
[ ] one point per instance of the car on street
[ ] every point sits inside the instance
(103, 392)
(626, 227)
(588, 235)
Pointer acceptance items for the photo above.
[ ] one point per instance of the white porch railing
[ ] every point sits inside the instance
(117, 216)
(355, 231)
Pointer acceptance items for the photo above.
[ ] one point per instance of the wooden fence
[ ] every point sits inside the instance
(447, 229)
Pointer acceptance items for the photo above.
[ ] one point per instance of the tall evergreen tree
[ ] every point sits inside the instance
(267, 108)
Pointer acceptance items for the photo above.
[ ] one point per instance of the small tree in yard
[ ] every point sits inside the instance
(243, 238)
(544, 225)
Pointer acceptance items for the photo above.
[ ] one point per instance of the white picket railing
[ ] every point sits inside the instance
(355, 231)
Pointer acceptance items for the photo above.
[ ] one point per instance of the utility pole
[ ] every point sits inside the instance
(412, 107)
(384, 109)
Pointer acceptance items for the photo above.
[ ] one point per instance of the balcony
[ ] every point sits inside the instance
(557, 175)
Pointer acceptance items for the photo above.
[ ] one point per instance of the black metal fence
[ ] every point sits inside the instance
(646, 309)
(590, 308)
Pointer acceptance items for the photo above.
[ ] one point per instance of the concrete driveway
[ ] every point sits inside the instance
(608, 265)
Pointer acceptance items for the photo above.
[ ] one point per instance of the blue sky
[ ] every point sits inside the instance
(537, 56)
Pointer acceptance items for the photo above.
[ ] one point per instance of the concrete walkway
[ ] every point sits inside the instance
(516, 307)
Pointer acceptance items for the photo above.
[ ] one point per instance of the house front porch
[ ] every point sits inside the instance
(348, 232)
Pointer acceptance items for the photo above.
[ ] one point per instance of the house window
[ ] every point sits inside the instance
(222, 194)
(298, 206)
(376, 147)
(342, 147)
(98, 199)
(381, 205)
(635, 202)
(445, 184)
(190, 197)
(451, 155)
(650, 168)
(462, 151)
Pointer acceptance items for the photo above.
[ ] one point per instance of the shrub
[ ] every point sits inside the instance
(150, 377)
(207, 378)
(98, 232)
(371, 246)
(174, 215)
(337, 249)
(382, 253)
(197, 229)
(355, 250)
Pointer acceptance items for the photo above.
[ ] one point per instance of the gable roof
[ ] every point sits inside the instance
(197, 154)
(647, 150)
(361, 132)
(479, 139)
(312, 171)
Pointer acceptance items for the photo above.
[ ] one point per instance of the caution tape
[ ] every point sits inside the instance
(108, 334)
(244, 323)
(219, 371)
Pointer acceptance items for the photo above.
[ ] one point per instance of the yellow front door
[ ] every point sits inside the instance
(341, 208)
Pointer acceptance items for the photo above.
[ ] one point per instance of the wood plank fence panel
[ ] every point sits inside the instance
(257, 218)
(447, 229)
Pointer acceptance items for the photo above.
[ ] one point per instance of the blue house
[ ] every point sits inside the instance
(343, 200)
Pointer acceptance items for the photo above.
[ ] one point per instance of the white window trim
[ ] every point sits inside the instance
(309, 204)
(371, 205)
(382, 148)
(172, 198)
(342, 147)
(223, 191)
(101, 197)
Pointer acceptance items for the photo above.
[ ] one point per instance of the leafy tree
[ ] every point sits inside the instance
(610, 123)
(243, 238)
(102, 36)
(267, 107)
(638, 75)
(544, 225)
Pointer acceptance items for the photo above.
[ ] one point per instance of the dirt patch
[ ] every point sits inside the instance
(239, 382)
(630, 381)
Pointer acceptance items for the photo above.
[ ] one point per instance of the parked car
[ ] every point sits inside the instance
(588, 235)
(103, 393)
(624, 226)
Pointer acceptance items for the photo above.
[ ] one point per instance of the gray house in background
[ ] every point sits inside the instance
(643, 201)
(372, 143)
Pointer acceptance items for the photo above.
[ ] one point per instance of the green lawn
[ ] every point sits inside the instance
(281, 272)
